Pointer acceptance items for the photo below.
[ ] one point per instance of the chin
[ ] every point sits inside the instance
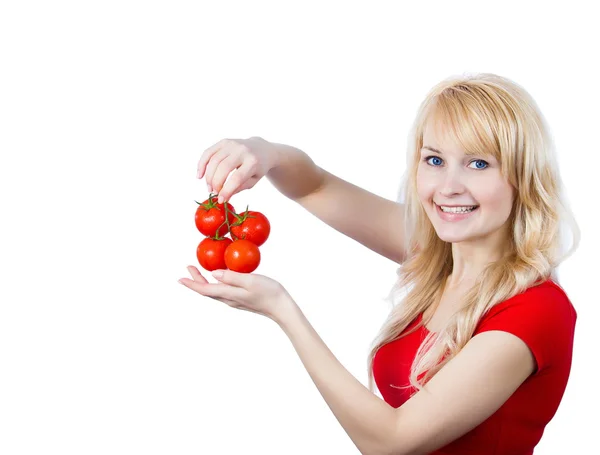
(453, 238)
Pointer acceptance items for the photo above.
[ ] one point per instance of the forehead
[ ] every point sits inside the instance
(436, 138)
(453, 139)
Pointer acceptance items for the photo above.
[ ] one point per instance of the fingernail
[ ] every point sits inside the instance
(209, 188)
(217, 273)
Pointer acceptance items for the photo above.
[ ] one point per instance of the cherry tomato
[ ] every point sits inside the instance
(242, 256)
(210, 215)
(211, 253)
(253, 226)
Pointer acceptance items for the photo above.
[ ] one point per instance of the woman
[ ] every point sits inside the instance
(475, 357)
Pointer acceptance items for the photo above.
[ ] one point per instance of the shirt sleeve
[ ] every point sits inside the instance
(543, 317)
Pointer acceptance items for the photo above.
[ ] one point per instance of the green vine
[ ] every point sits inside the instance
(211, 198)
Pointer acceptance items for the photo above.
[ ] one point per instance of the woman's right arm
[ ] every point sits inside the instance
(371, 220)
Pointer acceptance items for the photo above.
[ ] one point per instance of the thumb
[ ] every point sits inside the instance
(231, 277)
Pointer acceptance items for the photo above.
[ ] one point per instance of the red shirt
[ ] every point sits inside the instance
(544, 318)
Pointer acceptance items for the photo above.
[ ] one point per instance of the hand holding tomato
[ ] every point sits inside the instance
(249, 292)
(251, 159)
(238, 287)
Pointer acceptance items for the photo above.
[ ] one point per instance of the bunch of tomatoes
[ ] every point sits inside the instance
(248, 231)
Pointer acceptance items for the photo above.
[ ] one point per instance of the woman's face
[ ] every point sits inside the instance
(448, 177)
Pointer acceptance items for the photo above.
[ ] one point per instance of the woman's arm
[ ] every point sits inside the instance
(463, 394)
(366, 418)
(371, 220)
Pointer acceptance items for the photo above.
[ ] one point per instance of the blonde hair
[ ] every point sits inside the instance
(485, 114)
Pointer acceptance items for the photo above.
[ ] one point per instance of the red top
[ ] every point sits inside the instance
(544, 318)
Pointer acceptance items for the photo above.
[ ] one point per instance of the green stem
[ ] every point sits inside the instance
(227, 220)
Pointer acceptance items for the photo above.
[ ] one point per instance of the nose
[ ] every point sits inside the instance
(452, 182)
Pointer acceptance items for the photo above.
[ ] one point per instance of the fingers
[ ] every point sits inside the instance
(220, 292)
(213, 164)
(239, 180)
(223, 170)
(227, 193)
(208, 153)
(217, 291)
(240, 280)
(196, 275)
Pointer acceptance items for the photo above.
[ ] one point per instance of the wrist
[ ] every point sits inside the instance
(288, 313)
(281, 154)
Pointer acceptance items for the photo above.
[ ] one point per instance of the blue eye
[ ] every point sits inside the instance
(480, 161)
(433, 157)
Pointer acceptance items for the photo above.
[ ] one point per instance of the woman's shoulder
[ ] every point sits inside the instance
(545, 299)
(542, 316)
(546, 291)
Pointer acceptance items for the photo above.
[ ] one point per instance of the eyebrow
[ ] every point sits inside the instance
(432, 149)
(487, 156)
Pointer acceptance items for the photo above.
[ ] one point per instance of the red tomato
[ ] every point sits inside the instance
(253, 226)
(211, 253)
(210, 215)
(242, 256)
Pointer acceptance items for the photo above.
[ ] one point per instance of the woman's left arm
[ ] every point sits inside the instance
(463, 394)
(368, 420)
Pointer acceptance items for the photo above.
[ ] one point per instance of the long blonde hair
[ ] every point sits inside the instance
(485, 114)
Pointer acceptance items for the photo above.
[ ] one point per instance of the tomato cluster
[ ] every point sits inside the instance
(248, 230)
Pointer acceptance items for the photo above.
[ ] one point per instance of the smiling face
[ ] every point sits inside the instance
(446, 176)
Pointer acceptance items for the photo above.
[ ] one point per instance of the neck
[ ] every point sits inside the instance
(471, 257)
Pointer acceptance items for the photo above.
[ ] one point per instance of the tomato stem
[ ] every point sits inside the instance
(210, 204)
(227, 221)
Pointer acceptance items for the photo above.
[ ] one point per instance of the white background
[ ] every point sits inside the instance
(105, 109)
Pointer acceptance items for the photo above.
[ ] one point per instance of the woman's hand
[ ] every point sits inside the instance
(251, 158)
(244, 291)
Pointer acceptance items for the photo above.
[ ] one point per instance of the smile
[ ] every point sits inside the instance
(454, 216)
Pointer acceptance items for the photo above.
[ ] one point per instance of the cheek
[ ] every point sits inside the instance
(425, 186)
(497, 198)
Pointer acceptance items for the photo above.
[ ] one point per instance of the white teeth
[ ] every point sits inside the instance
(458, 209)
